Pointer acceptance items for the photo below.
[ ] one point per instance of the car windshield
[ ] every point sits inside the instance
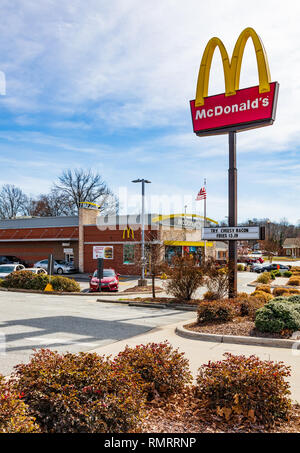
(61, 262)
(6, 269)
(106, 273)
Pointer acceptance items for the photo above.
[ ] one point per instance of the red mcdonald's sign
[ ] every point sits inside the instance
(235, 109)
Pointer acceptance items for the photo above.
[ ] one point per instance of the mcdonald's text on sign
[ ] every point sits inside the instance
(245, 110)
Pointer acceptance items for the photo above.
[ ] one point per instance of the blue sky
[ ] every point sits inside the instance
(106, 85)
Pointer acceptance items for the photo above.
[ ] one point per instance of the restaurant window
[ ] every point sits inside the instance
(128, 254)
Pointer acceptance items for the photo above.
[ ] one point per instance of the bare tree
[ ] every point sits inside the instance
(12, 202)
(53, 204)
(185, 277)
(83, 185)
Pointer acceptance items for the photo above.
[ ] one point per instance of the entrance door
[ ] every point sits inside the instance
(69, 258)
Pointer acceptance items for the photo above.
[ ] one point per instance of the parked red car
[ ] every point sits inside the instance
(109, 282)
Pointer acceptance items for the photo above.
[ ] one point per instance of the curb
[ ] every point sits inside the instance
(274, 286)
(235, 339)
(149, 305)
(61, 293)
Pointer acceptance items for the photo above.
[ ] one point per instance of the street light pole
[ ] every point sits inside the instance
(143, 282)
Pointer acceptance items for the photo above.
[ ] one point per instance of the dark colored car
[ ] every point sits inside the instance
(273, 267)
(11, 259)
(109, 282)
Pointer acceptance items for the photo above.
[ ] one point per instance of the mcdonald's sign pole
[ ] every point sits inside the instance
(234, 111)
(232, 214)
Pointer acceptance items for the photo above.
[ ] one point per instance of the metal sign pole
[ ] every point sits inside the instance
(232, 214)
(50, 265)
(100, 272)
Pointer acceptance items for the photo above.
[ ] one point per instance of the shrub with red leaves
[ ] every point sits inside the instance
(163, 370)
(82, 393)
(14, 414)
(245, 387)
(222, 310)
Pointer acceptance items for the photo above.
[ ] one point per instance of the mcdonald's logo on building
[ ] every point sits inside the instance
(236, 109)
(129, 232)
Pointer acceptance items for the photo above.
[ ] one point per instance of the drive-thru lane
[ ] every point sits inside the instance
(69, 323)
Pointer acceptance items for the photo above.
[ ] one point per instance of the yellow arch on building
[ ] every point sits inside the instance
(159, 218)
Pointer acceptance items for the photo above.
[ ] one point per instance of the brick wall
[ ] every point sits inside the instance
(94, 236)
(36, 251)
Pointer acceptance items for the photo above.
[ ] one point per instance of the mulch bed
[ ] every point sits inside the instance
(239, 326)
(181, 414)
(166, 300)
(142, 289)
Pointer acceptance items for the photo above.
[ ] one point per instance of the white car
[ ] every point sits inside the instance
(6, 269)
(257, 254)
(60, 266)
(37, 270)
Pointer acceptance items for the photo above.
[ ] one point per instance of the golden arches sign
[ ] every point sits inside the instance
(129, 232)
(160, 218)
(232, 67)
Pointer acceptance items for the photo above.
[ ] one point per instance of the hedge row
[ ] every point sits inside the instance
(29, 280)
(224, 310)
(87, 393)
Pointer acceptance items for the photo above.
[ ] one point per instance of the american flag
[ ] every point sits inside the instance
(201, 194)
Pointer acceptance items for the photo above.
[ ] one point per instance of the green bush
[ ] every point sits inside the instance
(14, 414)
(162, 369)
(287, 274)
(277, 316)
(1, 280)
(28, 280)
(246, 387)
(280, 299)
(65, 284)
(217, 311)
(25, 280)
(240, 267)
(294, 299)
(276, 273)
(265, 278)
(80, 393)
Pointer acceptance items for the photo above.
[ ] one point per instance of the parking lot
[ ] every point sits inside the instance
(77, 323)
(69, 323)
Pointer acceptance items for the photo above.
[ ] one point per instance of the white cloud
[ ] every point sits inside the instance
(108, 66)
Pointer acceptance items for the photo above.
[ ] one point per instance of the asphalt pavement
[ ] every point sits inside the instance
(80, 323)
(69, 323)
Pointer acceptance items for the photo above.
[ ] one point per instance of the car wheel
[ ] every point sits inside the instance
(59, 271)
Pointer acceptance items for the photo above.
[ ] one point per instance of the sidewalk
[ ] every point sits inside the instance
(200, 352)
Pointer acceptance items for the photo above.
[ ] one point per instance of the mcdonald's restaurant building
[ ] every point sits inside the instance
(79, 239)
